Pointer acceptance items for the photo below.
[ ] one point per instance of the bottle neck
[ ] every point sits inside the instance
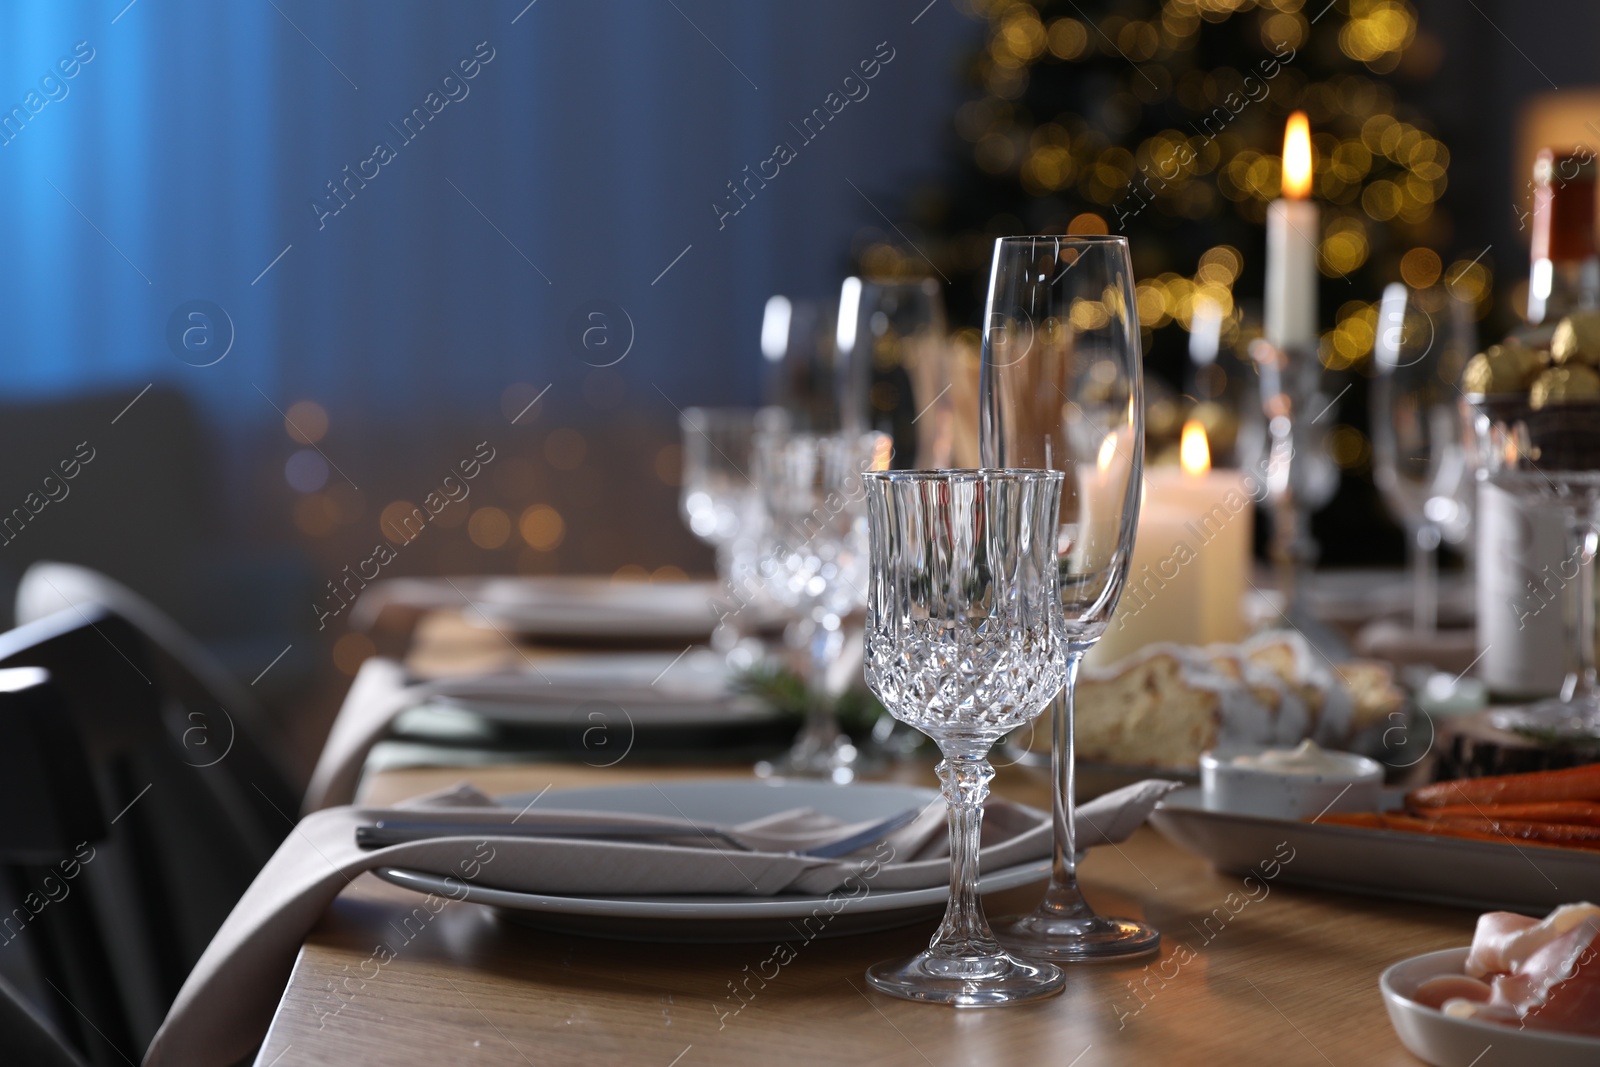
(1558, 287)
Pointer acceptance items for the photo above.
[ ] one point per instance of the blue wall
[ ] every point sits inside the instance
(186, 154)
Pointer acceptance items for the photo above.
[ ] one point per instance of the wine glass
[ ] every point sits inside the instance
(965, 641)
(1418, 436)
(894, 347)
(814, 562)
(1061, 388)
(720, 501)
(807, 377)
(1550, 454)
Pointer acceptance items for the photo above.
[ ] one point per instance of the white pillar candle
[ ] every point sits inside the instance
(1191, 559)
(1293, 241)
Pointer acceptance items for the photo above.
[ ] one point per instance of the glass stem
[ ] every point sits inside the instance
(1425, 579)
(821, 726)
(965, 931)
(1580, 685)
(1062, 897)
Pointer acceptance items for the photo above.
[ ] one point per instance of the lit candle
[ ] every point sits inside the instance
(1292, 242)
(1191, 559)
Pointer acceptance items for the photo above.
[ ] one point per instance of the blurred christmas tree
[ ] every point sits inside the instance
(1163, 120)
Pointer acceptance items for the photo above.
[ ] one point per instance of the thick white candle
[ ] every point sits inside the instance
(1293, 240)
(1191, 559)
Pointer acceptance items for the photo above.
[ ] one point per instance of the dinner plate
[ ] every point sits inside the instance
(597, 608)
(612, 689)
(725, 918)
(1433, 1036)
(1484, 875)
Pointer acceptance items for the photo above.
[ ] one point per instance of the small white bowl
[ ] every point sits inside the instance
(1436, 1038)
(1247, 790)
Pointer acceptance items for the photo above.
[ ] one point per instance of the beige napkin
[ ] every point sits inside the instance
(227, 1002)
(377, 695)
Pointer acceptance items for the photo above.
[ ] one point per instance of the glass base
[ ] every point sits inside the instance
(837, 761)
(1045, 935)
(1576, 719)
(980, 981)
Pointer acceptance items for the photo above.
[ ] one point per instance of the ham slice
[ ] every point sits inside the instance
(1539, 973)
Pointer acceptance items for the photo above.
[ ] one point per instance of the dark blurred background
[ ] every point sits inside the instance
(276, 339)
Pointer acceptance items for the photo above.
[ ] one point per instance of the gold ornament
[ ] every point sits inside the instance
(1561, 385)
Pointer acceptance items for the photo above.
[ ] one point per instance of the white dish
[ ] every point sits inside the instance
(597, 608)
(1433, 1036)
(1351, 784)
(1483, 875)
(612, 688)
(725, 918)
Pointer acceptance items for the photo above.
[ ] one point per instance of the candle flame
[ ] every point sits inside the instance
(882, 454)
(1194, 453)
(1297, 157)
(1108, 451)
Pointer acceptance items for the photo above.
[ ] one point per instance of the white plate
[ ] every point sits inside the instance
(596, 608)
(612, 689)
(1484, 875)
(725, 918)
(1442, 1041)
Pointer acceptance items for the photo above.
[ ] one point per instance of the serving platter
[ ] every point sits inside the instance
(1484, 875)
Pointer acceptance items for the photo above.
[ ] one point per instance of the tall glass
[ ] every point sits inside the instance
(1061, 388)
(807, 377)
(1418, 434)
(895, 348)
(814, 562)
(965, 641)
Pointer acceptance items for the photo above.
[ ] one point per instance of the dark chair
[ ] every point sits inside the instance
(126, 771)
(28, 1040)
(190, 672)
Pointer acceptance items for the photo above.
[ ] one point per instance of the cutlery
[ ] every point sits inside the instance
(387, 832)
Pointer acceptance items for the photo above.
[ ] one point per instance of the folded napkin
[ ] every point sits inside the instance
(226, 1004)
(379, 693)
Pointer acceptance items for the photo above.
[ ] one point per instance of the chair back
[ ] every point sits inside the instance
(27, 1039)
(139, 814)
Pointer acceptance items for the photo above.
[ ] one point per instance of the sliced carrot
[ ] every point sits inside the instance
(1519, 830)
(1437, 828)
(1573, 783)
(1575, 812)
(1372, 820)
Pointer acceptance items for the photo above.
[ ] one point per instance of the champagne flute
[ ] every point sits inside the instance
(965, 641)
(1061, 388)
(1418, 433)
(894, 347)
(806, 375)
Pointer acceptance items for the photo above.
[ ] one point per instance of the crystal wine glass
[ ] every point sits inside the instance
(814, 562)
(1061, 388)
(720, 500)
(1551, 454)
(1418, 437)
(965, 641)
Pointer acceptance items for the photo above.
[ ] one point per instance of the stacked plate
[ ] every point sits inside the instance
(791, 917)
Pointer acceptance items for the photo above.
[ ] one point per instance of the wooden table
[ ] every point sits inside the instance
(1290, 978)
